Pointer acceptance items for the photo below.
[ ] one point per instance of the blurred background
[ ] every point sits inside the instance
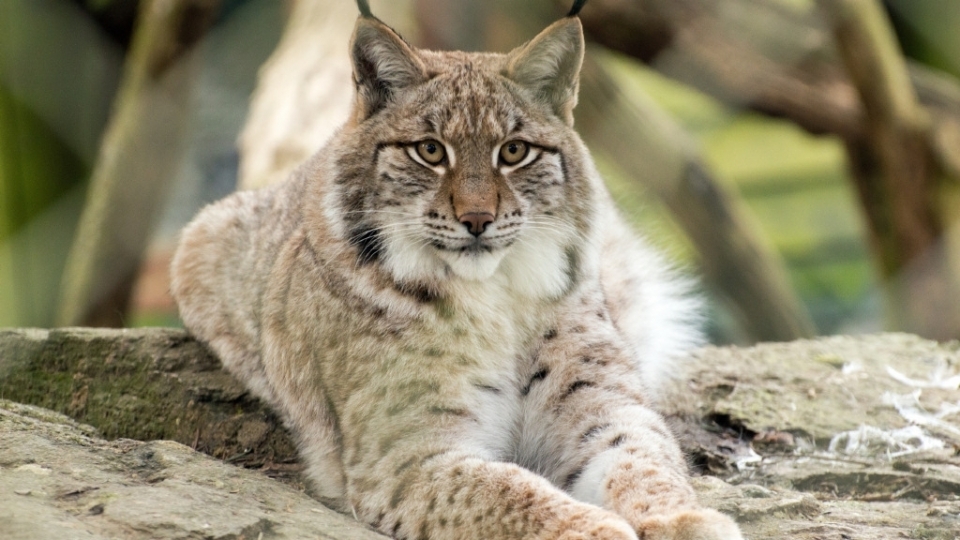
(801, 157)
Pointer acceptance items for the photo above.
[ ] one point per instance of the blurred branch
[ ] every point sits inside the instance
(734, 259)
(768, 56)
(138, 158)
(841, 74)
(940, 95)
(896, 173)
(760, 54)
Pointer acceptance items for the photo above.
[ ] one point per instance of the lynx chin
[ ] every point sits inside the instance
(443, 304)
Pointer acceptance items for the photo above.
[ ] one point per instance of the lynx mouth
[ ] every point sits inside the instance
(471, 258)
(475, 246)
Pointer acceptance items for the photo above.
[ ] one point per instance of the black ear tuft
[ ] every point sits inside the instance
(577, 6)
(364, 7)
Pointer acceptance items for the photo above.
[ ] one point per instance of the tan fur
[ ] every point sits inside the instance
(441, 384)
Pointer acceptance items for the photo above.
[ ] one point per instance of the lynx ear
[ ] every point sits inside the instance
(383, 64)
(549, 66)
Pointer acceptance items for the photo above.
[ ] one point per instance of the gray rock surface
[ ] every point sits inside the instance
(837, 438)
(58, 480)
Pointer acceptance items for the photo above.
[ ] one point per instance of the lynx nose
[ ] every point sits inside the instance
(476, 222)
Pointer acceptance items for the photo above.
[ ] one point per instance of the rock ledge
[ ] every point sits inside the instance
(836, 438)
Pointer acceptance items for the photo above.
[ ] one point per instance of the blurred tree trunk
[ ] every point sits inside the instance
(653, 152)
(138, 158)
(303, 92)
(897, 176)
(832, 68)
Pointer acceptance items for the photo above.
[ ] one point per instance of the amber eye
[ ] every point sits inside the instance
(431, 151)
(513, 152)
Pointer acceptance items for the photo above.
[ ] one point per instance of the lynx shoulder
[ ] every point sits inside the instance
(462, 335)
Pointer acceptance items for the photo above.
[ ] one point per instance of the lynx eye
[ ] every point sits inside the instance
(513, 152)
(431, 151)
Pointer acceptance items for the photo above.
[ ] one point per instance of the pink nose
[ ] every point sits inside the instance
(476, 222)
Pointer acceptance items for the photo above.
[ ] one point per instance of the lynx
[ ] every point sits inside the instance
(444, 306)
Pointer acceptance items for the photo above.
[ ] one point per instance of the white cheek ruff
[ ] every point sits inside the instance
(332, 211)
(537, 265)
(410, 259)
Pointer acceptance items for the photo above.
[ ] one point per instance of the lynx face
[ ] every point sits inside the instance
(471, 169)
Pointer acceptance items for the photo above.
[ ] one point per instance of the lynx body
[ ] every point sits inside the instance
(445, 308)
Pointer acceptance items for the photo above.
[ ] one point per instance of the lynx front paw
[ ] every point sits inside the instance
(690, 525)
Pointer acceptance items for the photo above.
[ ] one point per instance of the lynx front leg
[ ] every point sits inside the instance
(633, 466)
(449, 493)
(587, 429)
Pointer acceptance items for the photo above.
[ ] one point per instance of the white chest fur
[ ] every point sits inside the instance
(498, 330)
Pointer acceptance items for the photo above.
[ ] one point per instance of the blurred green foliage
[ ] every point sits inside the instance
(58, 73)
(37, 173)
(795, 185)
(929, 31)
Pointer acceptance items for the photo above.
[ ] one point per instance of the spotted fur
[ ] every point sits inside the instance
(464, 346)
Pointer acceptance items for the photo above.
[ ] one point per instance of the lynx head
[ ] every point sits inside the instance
(464, 165)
